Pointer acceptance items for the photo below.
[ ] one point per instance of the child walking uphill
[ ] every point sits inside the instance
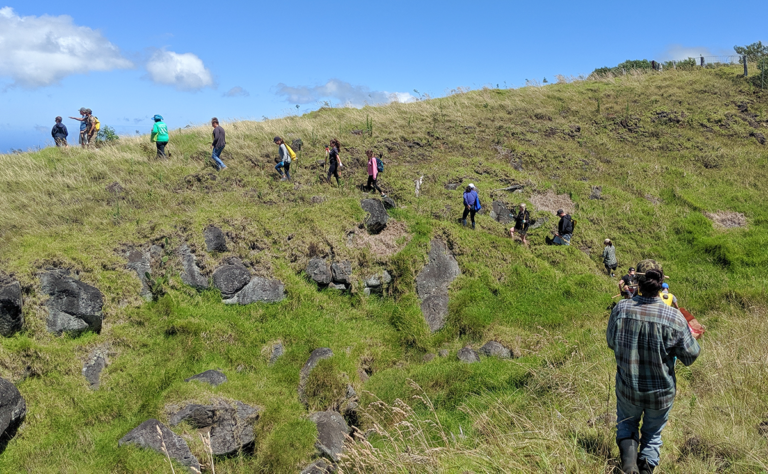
(471, 204)
(373, 172)
(334, 162)
(159, 135)
(285, 159)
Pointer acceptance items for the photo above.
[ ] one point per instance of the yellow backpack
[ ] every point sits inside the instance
(96, 123)
(290, 152)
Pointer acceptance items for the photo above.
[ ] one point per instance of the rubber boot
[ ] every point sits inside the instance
(645, 468)
(628, 453)
(464, 222)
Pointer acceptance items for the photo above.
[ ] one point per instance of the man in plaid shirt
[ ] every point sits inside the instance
(646, 336)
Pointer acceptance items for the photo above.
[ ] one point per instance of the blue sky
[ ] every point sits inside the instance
(190, 61)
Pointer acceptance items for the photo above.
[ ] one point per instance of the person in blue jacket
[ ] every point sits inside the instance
(59, 133)
(471, 204)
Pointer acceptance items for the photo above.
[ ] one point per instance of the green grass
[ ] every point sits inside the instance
(659, 177)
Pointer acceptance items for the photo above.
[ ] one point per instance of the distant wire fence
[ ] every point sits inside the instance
(709, 62)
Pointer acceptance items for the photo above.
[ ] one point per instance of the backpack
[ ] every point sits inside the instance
(379, 165)
(96, 123)
(477, 204)
(290, 152)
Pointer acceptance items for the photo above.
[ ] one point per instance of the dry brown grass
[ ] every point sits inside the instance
(727, 219)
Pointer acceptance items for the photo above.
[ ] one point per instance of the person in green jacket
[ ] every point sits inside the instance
(160, 136)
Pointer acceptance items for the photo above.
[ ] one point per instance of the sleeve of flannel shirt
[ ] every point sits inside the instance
(610, 333)
(687, 349)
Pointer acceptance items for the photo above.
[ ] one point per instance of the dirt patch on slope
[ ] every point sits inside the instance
(551, 202)
(727, 219)
(388, 242)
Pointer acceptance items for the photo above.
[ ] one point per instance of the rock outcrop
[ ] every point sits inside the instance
(275, 352)
(230, 423)
(146, 435)
(140, 262)
(495, 349)
(11, 314)
(319, 271)
(214, 239)
(467, 355)
(500, 212)
(319, 466)
(96, 363)
(13, 410)
(212, 377)
(332, 432)
(259, 289)
(73, 306)
(190, 272)
(314, 358)
(432, 284)
(342, 272)
(377, 215)
(230, 279)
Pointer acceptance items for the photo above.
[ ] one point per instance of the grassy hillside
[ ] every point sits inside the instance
(670, 152)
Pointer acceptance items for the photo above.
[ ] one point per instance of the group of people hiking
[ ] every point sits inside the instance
(89, 129)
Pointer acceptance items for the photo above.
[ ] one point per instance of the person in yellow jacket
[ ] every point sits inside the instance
(668, 298)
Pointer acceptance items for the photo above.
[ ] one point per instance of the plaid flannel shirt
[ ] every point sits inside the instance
(646, 335)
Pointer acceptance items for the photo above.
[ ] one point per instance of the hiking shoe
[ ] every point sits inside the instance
(628, 454)
(283, 178)
(383, 195)
(613, 275)
(645, 468)
(473, 226)
(464, 222)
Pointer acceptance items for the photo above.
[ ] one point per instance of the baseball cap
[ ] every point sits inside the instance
(471, 185)
(665, 286)
(647, 265)
(631, 269)
(560, 211)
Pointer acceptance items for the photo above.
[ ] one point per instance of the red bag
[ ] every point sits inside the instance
(696, 328)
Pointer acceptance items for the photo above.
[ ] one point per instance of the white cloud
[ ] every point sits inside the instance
(679, 52)
(344, 92)
(183, 71)
(236, 91)
(39, 51)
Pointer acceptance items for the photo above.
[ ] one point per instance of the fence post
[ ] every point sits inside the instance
(744, 58)
(674, 65)
(702, 61)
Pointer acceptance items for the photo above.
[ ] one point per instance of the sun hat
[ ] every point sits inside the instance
(646, 266)
(471, 185)
(158, 118)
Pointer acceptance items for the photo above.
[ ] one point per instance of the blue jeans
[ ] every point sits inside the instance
(215, 156)
(286, 167)
(564, 239)
(628, 422)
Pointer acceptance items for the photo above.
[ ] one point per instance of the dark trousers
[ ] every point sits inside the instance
(372, 182)
(333, 172)
(471, 213)
(161, 149)
(286, 167)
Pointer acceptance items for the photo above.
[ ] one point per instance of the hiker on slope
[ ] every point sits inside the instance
(609, 257)
(373, 172)
(219, 141)
(646, 336)
(471, 205)
(333, 160)
(59, 133)
(522, 221)
(90, 128)
(628, 284)
(83, 125)
(285, 159)
(564, 229)
(668, 298)
(159, 135)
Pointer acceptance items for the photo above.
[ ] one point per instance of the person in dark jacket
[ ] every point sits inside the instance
(628, 284)
(564, 229)
(609, 257)
(59, 133)
(522, 221)
(219, 141)
(471, 204)
(334, 161)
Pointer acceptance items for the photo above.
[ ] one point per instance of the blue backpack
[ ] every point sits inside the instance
(379, 165)
(477, 204)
